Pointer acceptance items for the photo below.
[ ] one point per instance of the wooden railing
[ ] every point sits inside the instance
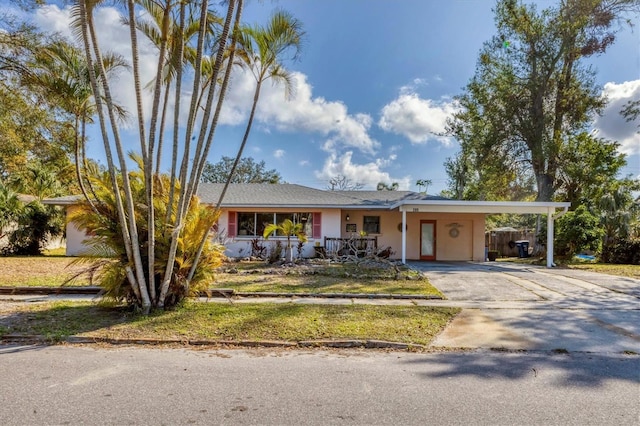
(360, 246)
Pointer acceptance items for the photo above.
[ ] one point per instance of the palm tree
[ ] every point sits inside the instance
(426, 183)
(264, 48)
(62, 70)
(288, 229)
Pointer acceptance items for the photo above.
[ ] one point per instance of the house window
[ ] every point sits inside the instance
(371, 224)
(252, 224)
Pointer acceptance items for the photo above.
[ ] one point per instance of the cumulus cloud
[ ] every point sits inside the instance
(278, 153)
(417, 119)
(302, 113)
(612, 125)
(368, 174)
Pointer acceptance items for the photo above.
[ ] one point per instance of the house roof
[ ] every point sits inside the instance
(257, 195)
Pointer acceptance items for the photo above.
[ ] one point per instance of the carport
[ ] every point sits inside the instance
(551, 209)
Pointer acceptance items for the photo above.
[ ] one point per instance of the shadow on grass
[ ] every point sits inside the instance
(59, 320)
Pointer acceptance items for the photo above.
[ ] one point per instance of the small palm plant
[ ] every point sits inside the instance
(289, 229)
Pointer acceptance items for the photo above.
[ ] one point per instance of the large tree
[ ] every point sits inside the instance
(247, 171)
(531, 94)
(34, 129)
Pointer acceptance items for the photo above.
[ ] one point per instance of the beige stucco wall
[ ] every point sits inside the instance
(469, 245)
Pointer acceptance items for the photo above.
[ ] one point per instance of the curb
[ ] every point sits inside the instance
(214, 292)
(339, 344)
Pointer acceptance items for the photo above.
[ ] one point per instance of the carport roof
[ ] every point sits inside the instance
(486, 207)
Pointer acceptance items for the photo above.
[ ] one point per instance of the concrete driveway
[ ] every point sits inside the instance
(513, 306)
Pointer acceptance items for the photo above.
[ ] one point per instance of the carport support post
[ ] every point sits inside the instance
(404, 236)
(550, 237)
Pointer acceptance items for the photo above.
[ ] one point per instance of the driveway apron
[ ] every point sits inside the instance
(514, 306)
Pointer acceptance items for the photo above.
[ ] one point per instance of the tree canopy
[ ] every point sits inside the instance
(247, 171)
(531, 97)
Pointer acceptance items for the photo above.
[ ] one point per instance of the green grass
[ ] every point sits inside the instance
(329, 278)
(227, 322)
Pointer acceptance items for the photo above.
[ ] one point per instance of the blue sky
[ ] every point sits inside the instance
(374, 83)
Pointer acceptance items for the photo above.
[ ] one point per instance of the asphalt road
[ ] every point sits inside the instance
(86, 385)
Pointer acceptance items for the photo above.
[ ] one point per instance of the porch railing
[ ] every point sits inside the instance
(361, 246)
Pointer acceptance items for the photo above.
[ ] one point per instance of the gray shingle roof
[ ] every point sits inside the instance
(276, 195)
(288, 195)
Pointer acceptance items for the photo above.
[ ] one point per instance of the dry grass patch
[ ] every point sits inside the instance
(631, 271)
(38, 271)
(226, 322)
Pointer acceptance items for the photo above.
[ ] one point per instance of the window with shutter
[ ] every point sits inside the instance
(317, 226)
(232, 227)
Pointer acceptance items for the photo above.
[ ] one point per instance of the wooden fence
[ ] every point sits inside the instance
(504, 241)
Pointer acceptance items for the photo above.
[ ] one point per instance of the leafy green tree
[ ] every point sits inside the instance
(288, 229)
(578, 231)
(589, 169)
(247, 171)
(531, 93)
(382, 186)
(11, 210)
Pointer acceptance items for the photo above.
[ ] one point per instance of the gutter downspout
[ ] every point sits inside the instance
(551, 217)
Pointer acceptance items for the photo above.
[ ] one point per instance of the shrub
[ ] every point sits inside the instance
(578, 231)
(625, 251)
(107, 241)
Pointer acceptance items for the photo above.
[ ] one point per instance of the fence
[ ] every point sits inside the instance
(504, 241)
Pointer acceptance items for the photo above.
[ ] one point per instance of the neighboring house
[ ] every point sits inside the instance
(415, 226)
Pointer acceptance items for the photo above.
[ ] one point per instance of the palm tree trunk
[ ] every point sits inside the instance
(88, 36)
(256, 96)
(130, 208)
(78, 165)
(214, 124)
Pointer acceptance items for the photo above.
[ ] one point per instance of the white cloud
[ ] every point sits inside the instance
(369, 174)
(302, 113)
(303, 163)
(419, 120)
(612, 125)
(278, 153)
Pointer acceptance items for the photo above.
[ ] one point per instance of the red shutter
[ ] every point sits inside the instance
(232, 227)
(317, 226)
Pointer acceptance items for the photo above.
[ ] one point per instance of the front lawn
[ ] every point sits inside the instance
(46, 271)
(309, 277)
(323, 277)
(230, 322)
